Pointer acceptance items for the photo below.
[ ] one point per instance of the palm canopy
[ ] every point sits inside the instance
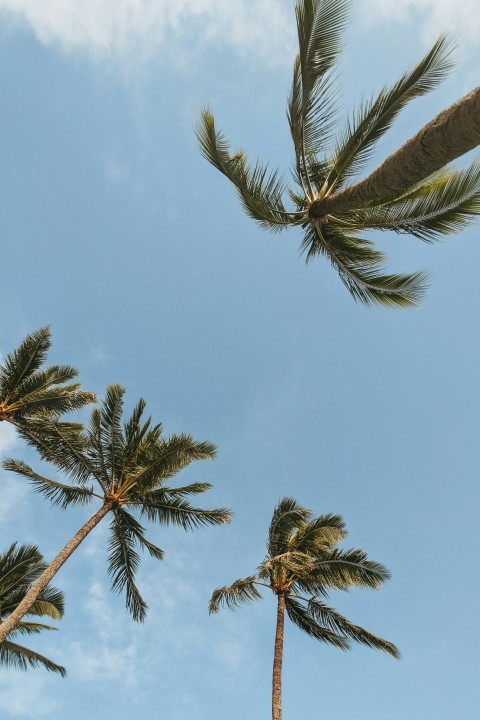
(19, 568)
(304, 565)
(126, 467)
(438, 204)
(31, 395)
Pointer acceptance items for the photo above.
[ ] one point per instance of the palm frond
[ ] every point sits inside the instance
(111, 436)
(21, 658)
(300, 615)
(330, 618)
(442, 206)
(374, 118)
(260, 190)
(58, 493)
(239, 593)
(23, 361)
(159, 506)
(287, 515)
(359, 268)
(344, 569)
(320, 533)
(138, 532)
(123, 563)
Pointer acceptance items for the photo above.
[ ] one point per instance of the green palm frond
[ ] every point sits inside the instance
(374, 118)
(138, 533)
(21, 658)
(299, 615)
(239, 593)
(24, 361)
(359, 267)
(318, 534)
(344, 569)
(159, 506)
(260, 190)
(287, 515)
(442, 206)
(123, 563)
(330, 618)
(111, 436)
(58, 493)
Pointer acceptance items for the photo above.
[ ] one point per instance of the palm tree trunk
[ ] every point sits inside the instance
(451, 134)
(22, 609)
(277, 660)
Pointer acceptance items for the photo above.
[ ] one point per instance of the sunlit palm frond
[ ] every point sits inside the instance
(375, 117)
(344, 569)
(24, 360)
(319, 534)
(111, 435)
(443, 206)
(287, 515)
(239, 593)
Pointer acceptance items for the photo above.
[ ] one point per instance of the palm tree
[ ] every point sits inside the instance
(301, 567)
(19, 568)
(31, 397)
(125, 468)
(411, 192)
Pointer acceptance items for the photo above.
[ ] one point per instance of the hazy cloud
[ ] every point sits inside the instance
(8, 437)
(133, 31)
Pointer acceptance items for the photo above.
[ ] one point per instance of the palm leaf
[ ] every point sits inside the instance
(20, 658)
(58, 493)
(374, 118)
(318, 534)
(299, 615)
(344, 569)
(123, 563)
(239, 593)
(159, 506)
(23, 361)
(287, 515)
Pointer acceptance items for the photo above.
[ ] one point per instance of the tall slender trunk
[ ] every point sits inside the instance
(22, 609)
(451, 134)
(277, 660)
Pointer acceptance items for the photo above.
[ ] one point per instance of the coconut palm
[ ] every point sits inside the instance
(412, 192)
(125, 468)
(302, 566)
(19, 568)
(31, 396)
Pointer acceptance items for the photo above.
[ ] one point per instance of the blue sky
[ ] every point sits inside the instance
(121, 237)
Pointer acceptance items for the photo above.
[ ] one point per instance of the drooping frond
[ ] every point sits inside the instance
(21, 658)
(287, 516)
(359, 267)
(260, 190)
(58, 493)
(123, 563)
(440, 206)
(299, 615)
(240, 592)
(138, 533)
(330, 618)
(374, 118)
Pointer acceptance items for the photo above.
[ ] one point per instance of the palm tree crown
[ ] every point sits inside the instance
(301, 568)
(19, 568)
(32, 396)
(427, 205)
(125, 467)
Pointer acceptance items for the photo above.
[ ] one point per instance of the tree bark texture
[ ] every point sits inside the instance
(451, 134)
(277, 660)
(22, 609)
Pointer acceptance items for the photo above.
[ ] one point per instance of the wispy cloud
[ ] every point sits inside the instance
(22, 697)
(134, 31)
(8, 438)
(432, 16)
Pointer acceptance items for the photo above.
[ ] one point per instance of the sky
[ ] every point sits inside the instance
(118, 234)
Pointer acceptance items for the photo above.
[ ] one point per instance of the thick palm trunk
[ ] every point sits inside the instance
(22, 609)
(451, 134)
(277, 660)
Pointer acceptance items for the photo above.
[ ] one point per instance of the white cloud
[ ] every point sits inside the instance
(11, 498)
(127, 31)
